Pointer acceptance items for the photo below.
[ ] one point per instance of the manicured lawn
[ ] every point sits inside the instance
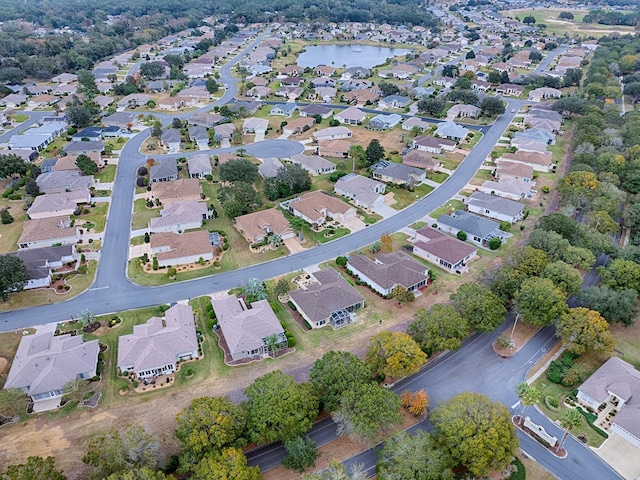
(449, 207)
(437, 177)
(97, 216)
(10, 233)
(323, 237)
(418, 225)
(137, 240)
(142, 214)
(107, 175)
(404, 198)
(472, 139)
(484, 174)
(370, 218)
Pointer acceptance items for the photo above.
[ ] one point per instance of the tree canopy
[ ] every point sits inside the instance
(239, 199)
(394, 354)
(142, 473)
(621, 274)
(13, 275)
(479, 306)
(439, 328)
(35, 467)
(413, 457)
(582, 329)
(289, 180)
(239, 170)
(563, 276)
(228, 464)
(374, 152)
(539, 301)
(86, 165)
(613, 305)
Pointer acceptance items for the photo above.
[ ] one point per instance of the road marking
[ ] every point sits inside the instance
(515, 405)
(98, 288)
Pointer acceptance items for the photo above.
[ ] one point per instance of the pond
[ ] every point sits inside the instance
(350, 55)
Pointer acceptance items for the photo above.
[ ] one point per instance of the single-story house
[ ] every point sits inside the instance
(323, 82)
(259, 92)
(269, 167)
(199, 166)
(329, 300)
(537, 134)
(394, 101)
(179, 249)
(170, 139)
(299, 125)
(388, 271)
(45, 363)
(398, 173)
(119, 119)
(255, 125)
(57, 204)
(420, 159)
(89, 134)
(134, 100)
(334, 148)
(205, 119)
(540, 162)
(427, 143)
(79, 148)
(362, 191)
(443, 250)
(200, 135)
(164, 170)
(313, 164)
(292, 82)
(283, 109)
(479, 230)
(506, 170)
(552, 126)
(415, 122)
(332, 133)
(248, 329)
(224, 131)
(544, 93)
(158, 345)
(384, 122)
(351, 116)
(314, 208)
(464, 111)
(615, 388)
(451, 131)
(178, 217)
(313, 110)
(177, 190)
(48, 231)
(512, 189)
(62, 181)
(495, 207)
(256, 226)
(528, 145)
(509, 89)
(40, 261)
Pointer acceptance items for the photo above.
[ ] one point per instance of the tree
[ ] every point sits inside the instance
(579, 257)
(31, 187)
(359, 155)
(207, 425)
(416, 402)
(86, 165)
(156, 131)
(282, 287)
(535, 56)
(239, 170)
(86, 317)
(470, 54)
(152, 70)
(476, 432)
(13, 402)
(388, 89)
(569, 105)
(439, 328)
(87, 82)
(11, 164)
(570, 419)
(582, 329)
(491, 106)
(143, 473)
(402, 295)
(289, 180)
(613, 305)
(238, 199)
(494, 77)
(302, 452)
(114, 452)
(550, 242)
(335, 373)
(563, 276)
(463, 83)
(431, 106)
(566, 15)
(278, 408)
(480, 307)
(374, 152)
(254, 290)
(5, 216)
(394, 354)
(578, 188)
(529, 19)
(528, 395)
(36, 467)
(78, 116)
(386, 243)
(75, 391)
(13, 275)
(211, 85)
(450, 71)
(366, 410)
(228, 464)
(337, 471)
(621, 274)
(539, 301)
(413, 457)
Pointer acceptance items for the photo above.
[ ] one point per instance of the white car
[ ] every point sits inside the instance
(513, 110)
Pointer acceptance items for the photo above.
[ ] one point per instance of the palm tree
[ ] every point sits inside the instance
(272, 343)
(297, 224)
(570, 419)
(528, 395)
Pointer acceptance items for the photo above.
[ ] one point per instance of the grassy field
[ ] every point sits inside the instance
(449, 207)
(10, 233)
(97, 216)
(142, 214)
(107, 175)
(404, 197)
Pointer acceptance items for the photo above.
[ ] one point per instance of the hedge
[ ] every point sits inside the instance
(590, 419)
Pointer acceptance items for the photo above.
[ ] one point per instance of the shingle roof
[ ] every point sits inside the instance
(179, 213)
(176, 189)
(164, 168)
(469, 223)
(443, 246)
(390, 269)
(50, 228)
(181, 245)
(312, 162)
(495, 203)
(199, 164)
(318, 204)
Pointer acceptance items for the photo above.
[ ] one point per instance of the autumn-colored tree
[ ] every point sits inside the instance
(621, 274)
(386, 243)
(582, 329)
(230, 463)
(439, 328)
(394, 354)
(416, 403)
(563, 276)
(578, 188)
(402, 295)
(476, 432)
(540, 302)
(34, 468)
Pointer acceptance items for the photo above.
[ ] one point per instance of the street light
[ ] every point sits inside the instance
(514, 328)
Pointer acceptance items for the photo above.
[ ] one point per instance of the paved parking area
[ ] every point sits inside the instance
(621, 455)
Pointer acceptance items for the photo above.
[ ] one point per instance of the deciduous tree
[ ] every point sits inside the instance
(386, 243)
(439, 328)
(229, 464)
(302, 452)
(491, 106)
(143, 473)
(239, 199)
(476, 432)
(614, 305)
(239, 170)
(13, 402)
(564, 276)
(86, 165)
(374, 152)
(413, 457)
(394, 354)
(480, 307)
(416, 402)
(13, 275)
(621, 274)
(35, 468)
(539, 301)
(582, 329)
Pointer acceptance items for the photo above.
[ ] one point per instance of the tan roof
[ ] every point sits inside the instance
(443, 246)
(420, 159)
(182, 244)
(300, 123)
(176, 189)
(57, 202)
(318, 204)
(49, 228)
(69, 162)
(391, 269)
(351, 113)
(175, 213)
(334, 146)
(258, 224)
(514, 169)
(332, 293)
(543, 159)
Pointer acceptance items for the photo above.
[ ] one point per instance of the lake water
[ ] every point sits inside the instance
(350, 55)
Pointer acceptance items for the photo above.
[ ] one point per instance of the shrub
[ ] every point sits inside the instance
(503, 341)
(335, 176)
(155, 263)
(590, 419)
(495, 243)
(5, 217)
(461, 235)
(505, 226)
(291, 305)
(135, 383)
(552, 403)
(15, 196)
(342, 261)
(571, 376)
(291, 340)
(520, 473)
(555, 371)
(209, 177)
(545, 189)
(142, 171)
(82, 269)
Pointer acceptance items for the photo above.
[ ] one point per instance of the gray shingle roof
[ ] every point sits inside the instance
(164, 168)
(469, 223)
(390, 269)
(495, 203)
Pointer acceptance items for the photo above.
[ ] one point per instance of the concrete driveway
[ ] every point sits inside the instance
(385, 211)
(293, 245)
(621, 455)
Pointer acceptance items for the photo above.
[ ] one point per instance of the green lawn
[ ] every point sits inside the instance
(107, 175)
(484, 174)
(449, 207)
(472, 139)
(437, 177)
(142, 214)
(404, 197)
(418, 225)
(18, 117)
(97, 216)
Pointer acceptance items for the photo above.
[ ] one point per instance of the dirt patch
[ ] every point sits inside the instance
(3, 365)
(521, 335)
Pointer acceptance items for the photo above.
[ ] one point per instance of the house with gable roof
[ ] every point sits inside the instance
(362, 191)
(389, 270)
(495, 207)
(443, 250)
(199, 166)
(256, 226)
(164, 170)
(479, 230)
(313, 164)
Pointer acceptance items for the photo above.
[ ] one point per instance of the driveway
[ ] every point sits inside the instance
(259, 137)
(354, 224)
(621, 455)
(293, 245)
(385, 211)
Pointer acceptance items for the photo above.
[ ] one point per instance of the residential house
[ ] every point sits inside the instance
(176, 103)
(332, 133)
(495, 207)
(513, 171)
(39, 262)
(13, 100)
(388, 271)
(180, 249)
(544, 123)
(355, 72)
(540, 162)
(614, 390)
(415, 122)
(351, 116)
(362, 191)
(544, 93)
(134, 100)
(479, 230)
(324, 70)
(30, 141)
(199, 166)
(224, 131)
(480, 85)
(464, 111)
(119, 119)
(249, 331)
(259, 92)
(269, 167)
(427, 143)
(509, 89)
(48, 231)
(384, 122)
(313, 164)
(283, 109)
(451, 131)
(397, 173)
(524, 144)
(164, 170)
(334, 148)
(420, 159)
(446, 82)
(512, 189)
(157, 346)
(205, 119)
(314, 208)
(323, 82)
(44, 363)
(313, 110)
(537, 134)
(198, 94)
(292, 70)
(177, 190)
(42, 101)
(62, 181)
(170, 139)
(361, 96)
(255, 125)
(177, 217)
(57, 204)
(64, 78)
(329, 300)
(26, 155)
(200, 135)
(89, 134)
(83, 148)
(394, 101)
(256, 226)
(443, 250)
(299, 125)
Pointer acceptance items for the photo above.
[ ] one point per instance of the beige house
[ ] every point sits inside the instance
(179, 249)
(314, 208)
(388, 271)
(334, 148)
(443, 250)
(313, 164)
(362, 191)
(57, 204)
(351, 116)
(48, 231)
(540, 162)
(421, 159)
(256, 226)
(177, 190)
(178, 217)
